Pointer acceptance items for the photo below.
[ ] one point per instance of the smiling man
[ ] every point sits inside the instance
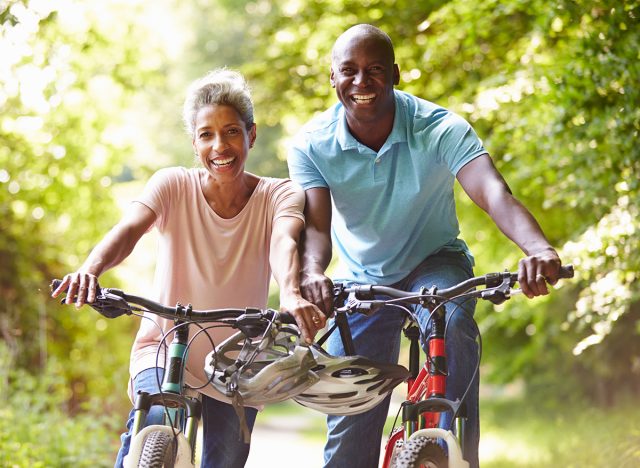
(378, 170)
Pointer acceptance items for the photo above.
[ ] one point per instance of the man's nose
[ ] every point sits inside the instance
(361, 78)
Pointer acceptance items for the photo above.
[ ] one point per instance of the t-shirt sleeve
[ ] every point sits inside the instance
(301, 167)
(157, 193)
(459, 144)
(287, 199)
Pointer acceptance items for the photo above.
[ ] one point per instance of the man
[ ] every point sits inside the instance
(378, 170)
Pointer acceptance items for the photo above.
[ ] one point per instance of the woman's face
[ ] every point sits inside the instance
(221, 140)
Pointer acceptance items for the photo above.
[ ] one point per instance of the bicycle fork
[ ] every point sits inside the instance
(419, 414)
(177, 406)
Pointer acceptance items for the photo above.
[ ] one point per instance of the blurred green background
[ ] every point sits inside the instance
(90, 105)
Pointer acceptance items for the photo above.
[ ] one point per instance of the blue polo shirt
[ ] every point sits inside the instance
(393, 208)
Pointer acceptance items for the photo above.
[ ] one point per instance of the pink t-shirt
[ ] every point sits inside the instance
(208, 261)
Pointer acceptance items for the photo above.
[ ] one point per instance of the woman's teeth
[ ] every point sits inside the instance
(221, 162)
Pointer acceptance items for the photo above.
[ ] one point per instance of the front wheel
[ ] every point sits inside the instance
(421, 452)
(158, 451)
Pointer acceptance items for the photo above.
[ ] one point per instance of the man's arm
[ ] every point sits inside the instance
(316, 249)
(110, 251)
(285, 265)
(487, 188)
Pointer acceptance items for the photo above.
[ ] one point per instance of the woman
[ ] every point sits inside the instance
(223, 231)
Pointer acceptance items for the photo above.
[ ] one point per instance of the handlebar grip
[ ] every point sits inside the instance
(286, 317)
(566, 271)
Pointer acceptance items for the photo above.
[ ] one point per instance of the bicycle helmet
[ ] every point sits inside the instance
(349, 384)
(263, 369)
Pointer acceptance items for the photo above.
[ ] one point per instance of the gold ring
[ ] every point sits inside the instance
(540, 277)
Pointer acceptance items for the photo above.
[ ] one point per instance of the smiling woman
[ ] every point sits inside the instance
(210, 220)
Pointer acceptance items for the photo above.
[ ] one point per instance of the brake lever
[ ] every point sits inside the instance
(111, 305)
(498, 294)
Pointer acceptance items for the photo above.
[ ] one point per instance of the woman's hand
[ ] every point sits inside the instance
(308, 317)
(81, 285)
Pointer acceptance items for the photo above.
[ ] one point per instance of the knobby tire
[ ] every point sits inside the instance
(421, 452)
(158, 451)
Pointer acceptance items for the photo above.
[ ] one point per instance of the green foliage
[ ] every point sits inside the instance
(36, 430)
(550, 86)
(68, 76)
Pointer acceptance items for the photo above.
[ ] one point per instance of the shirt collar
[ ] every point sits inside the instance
(398, 131)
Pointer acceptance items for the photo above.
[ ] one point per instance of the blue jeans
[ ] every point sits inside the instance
(222, 445)
(354, 441)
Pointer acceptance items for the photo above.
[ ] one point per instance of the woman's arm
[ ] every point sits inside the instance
(110, 251)
(488, 189)
(285, 265)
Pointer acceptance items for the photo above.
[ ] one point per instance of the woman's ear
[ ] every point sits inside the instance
(252, 136)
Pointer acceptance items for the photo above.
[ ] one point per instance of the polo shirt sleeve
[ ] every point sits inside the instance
(458, 143)
(302, 169)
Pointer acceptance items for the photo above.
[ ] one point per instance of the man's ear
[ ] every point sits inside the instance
(396, 74)
(332, 79)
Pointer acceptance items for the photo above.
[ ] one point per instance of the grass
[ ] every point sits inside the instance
(518, 434)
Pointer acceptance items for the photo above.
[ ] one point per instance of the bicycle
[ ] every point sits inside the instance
(241, 367)
(418, 441)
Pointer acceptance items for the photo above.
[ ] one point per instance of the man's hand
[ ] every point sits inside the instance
(308, 317)
(535, 271)
(318, 289)
(80, 284)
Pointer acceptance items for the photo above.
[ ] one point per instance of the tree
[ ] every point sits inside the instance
(550, 87)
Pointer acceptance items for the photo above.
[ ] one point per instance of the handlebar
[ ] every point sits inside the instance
(498, 288)
(112, 303)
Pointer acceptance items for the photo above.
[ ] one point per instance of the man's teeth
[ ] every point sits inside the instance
(363, 98)
(222, 162)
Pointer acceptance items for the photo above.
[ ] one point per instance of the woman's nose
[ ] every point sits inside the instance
(219, 143)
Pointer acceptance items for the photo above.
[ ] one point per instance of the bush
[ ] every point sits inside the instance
(36, 430)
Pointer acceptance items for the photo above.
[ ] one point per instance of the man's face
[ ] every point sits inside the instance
(363, 73)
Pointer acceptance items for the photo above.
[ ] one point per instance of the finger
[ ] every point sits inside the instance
(554, 275)
(312, 294)
(327, 299)
(93, 283)
(541, 284)
(72, 289)
(307, 334)
(61, 287)
(82, 291)
(301, 321)
(523, 275)
(318, 318)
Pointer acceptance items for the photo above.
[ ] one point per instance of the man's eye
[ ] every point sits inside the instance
(233, 131)
(205, 134)
(347, 71)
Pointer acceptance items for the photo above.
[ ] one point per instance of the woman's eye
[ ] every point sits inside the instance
(205, 135)
(234, 131)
